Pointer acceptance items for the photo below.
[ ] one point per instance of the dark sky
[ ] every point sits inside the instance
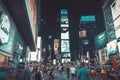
(51, 26)
(50, 11)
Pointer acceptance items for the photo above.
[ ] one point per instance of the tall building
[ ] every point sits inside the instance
(87, 32)
(109, 20)
(64, 39)
(112, 24)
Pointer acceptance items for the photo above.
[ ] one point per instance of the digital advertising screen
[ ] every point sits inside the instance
(82, 33)
(64, 60)
(33, 56)
(115, 9)
(85, 42)
(100, 40)
(87, 18)
(117, 27)
(65, 55)
(64, 22)
(119, 46)
(112, 47)
(65, 46)
(64, 12)
(65, 35)
(7, 33)
(111, 35)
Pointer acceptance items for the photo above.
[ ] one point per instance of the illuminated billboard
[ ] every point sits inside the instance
(64, 60)
(65, 46)
(64, 18)
(64, 12)
(85, 42)
(100, 40)
(66, 55)
(32, 14)
(112, 47)
(82, 33)
(56, 44)
(117, 27)
(65, 35)
(115, 8)
(7, 33)
(87, 18)
(111, 35)
(4, 28)
(64, 22)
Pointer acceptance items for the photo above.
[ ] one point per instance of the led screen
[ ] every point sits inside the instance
(33, 56)
(66, 55)
(82, 33)
(100, 40)
(117, 27)
(119, 46)
(112, 47)
(64, 12)
(85, 42)
(64, 22)
(4, 28)
(115, 9)
(7, 33)
(65, 35)
(111, 35)
(65, 46)
(65, 60)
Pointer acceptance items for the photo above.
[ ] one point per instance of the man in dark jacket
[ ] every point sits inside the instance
(3, 71)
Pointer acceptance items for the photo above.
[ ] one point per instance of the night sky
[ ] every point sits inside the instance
(50, 17)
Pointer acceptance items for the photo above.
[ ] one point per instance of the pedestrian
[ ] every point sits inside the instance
(83, 72)
(68, 71)
(3, 71)
(72, 71)
(39, 74)
(24, 73)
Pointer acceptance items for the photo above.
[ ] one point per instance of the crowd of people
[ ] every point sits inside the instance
(40, 71)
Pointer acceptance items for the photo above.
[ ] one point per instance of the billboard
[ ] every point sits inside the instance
(64, 22)
(64, 12)
(87, 18)
(112, 47)
(64, 18)
(117, 27)
(115, 9)
(7, 33)
(102, 55)
(64, 60)
(111, 35)
(65, 46)
(33, 56)
(100, 40)
(32, 14)
(82, 33)
(65, 35)
(66, 55)
(56, 44)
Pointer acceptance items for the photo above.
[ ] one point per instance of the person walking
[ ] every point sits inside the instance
(83, 72)
(72, 71)
(3, 71)
(24, 74)
(39, 74)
